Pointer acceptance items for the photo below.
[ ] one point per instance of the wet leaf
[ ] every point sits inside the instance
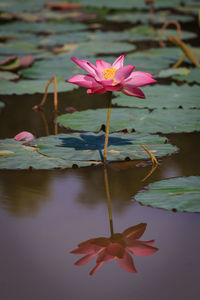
(4, 75)
(174, 97)
(62, 6)
(173, 71)
(192, 77)
(181, 194)
(65, 150)
(31, 87)
(141, 120)
(13, 155)
(89, 146)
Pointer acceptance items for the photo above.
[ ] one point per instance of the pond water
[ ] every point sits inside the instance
(45, 214)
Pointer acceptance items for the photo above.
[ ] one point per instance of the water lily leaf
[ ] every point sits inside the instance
(89, 146)
(7, 76)
(174, 97)
(90, 48)
(31, 87)
(9, 63)
(53, 27)
(173, 71)
(13, 48)
(141, 120)
(66, 150)
(193, 76)
(14, 155)
(59, 66)
(154, 60)
(143, 17)
(181, 194)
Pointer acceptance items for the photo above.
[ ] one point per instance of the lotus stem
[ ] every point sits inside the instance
(178, 27)
(179, 62)
(108, 200)
(107, 128)
(153, 159)
(40, 106)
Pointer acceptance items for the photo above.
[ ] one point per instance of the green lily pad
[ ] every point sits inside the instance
(14, 155)
(66, 150)
(89, 146)
(143, 17)
(18, 47)
(20, 27)
(173, 71)
(31, 87)
(155, 60)
(8, 75)
(192, 77)
(174, 97)
(60, 66)
(181, 194)
(141, 120)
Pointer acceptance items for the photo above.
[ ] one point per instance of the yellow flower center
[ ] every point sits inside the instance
(109, 73)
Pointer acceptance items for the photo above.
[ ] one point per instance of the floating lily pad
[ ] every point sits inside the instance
(59, 66)
(193, 76)
(141, 120)
(173, 71)
(65, 150)
(174, 97)
(143, 17)
(13, 155)
(18, 47)
(181, 194)
(31, 87)
(20, 27)
(8, 75)
(154, 60)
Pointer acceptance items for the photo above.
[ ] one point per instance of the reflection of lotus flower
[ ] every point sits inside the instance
(116, 247)
(106, 77)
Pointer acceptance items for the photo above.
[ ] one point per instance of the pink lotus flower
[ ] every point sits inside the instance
(25, 136)
(116, 77)
(116, 247)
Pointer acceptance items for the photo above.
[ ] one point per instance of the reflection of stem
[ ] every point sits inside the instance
(151, 15)
(153, 168)
(107, 128)
(44, 122)
(108, 200)
(55, 124)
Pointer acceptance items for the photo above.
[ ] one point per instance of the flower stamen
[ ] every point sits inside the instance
(109, 73)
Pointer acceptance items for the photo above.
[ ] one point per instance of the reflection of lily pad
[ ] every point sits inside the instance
(193, 76)
(31, 87)
(1, 105)
(181, 194)
(142, 120)
(174, 97)
(65, 150)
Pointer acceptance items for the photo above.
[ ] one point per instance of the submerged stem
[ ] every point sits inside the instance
(107, 128)
(108, 200)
